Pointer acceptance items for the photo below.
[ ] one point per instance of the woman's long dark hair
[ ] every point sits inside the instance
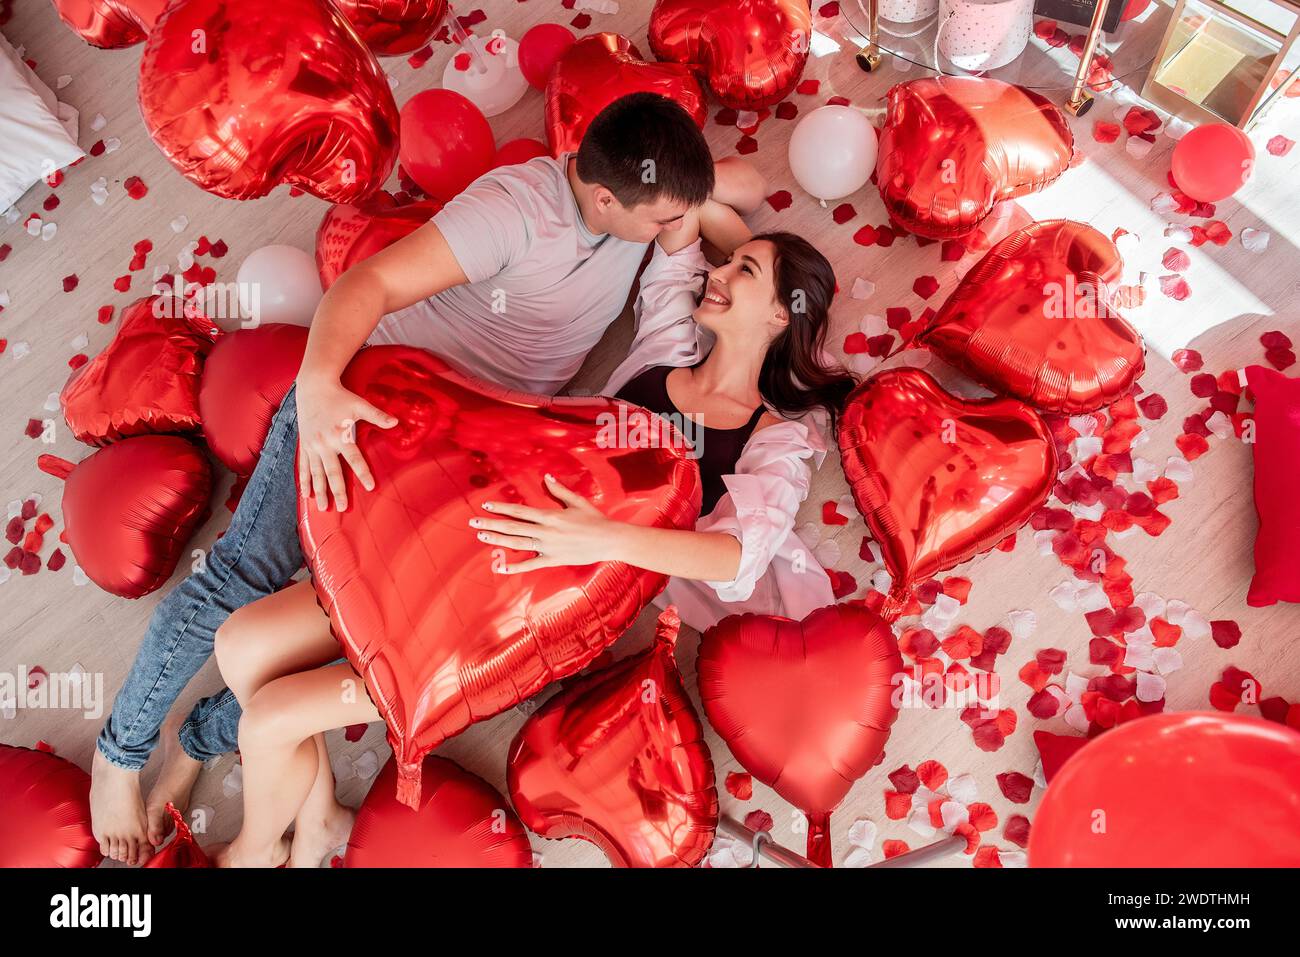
(793, 379)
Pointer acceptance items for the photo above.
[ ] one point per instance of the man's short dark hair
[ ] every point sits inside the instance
(644, 146)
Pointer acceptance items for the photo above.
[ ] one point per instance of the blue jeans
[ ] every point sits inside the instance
(257, 556)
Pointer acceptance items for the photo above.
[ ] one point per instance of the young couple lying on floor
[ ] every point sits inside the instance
(738, 347)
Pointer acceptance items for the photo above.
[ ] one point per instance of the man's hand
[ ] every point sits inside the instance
(327, 431)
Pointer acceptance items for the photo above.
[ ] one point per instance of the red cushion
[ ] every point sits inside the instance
(1277, 463)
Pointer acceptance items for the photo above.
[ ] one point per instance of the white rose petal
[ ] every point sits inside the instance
(1150, 687)
(953, 814)
(862, 833)
(1167, 660)
(963, 788)
(1255, 240)
(862, 288)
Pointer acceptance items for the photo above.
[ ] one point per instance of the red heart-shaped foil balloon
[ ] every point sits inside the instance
(44, 811)
(954, 146)
(245, 379)
(243, 95)
(940, 478)
(441, 639)
(805, 706)
(129, 510)
(599, 69)
(462, 821)
(1033, 320)
(147, 379)
(619, 759)
(110, 24)
(750, 52)
(183, 852)
(394, 27)
(352, 232)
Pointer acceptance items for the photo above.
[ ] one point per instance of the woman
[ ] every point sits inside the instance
(740, 361)
(743, 361)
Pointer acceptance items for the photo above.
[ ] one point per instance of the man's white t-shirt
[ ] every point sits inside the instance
(542, 287)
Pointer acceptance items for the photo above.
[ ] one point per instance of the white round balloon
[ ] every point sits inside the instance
(833, 151)
(490, 76)
(279, 284)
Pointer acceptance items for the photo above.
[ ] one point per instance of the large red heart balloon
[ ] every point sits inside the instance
(953, 146)
(183, 852)
(243, 95)
(394, 27)
(245, 379)
(147, 379)
(939, 478)
(110, 24)
(599, 69)
(805, 706)
(750, 52)
(352, 232)
(442, 640)
(1033, 320)
(619, 759)
(44, 811)
(462, 821)
(1192, 789)
(129, 510)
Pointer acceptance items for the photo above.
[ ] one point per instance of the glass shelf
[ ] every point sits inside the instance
(1124, 54)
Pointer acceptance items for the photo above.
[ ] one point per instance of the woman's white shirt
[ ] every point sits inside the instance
(778, 573)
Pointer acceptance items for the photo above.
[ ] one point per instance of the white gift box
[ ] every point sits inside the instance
(984, 34)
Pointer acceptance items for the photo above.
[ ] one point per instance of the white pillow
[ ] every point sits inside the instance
(33, 141)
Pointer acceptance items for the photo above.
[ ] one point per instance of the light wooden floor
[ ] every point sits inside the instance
(1203, 558)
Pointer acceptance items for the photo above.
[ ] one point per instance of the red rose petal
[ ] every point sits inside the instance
(780, 200)
(740, 786)
(1016, 787)
(925, 286)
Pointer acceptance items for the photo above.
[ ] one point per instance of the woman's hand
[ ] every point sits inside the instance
(577, 534)
(327, 431)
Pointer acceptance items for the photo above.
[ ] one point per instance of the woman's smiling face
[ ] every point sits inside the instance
(741, 293)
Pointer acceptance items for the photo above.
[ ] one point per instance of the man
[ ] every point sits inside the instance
(513, 282)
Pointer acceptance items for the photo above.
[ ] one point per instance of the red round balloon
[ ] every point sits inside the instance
(462, 821)
(352, 232)
(619, 759)
(129, 510)
(519, 151)
(999, 142)
(441, 640)
(805, 706)
(147, 379)
(601, 68)
(939, 478)
(394, 27)
(44, 811)
(244, 382)
(1212, 162)
(1033, 320)
(110, 24)
(540, 49)
(183, 851)
(751, 53)
(243, 95)
(446, 142)
(1192, 789)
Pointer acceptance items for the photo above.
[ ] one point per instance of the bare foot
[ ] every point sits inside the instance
(174, 784)
(117, 815)
(234, 855)
(312, 840)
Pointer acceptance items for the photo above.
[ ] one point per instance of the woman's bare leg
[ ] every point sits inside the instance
(279, 635)
(277, 738)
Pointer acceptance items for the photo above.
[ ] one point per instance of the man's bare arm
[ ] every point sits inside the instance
(414, 268)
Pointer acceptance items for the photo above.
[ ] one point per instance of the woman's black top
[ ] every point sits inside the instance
(717, 450)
